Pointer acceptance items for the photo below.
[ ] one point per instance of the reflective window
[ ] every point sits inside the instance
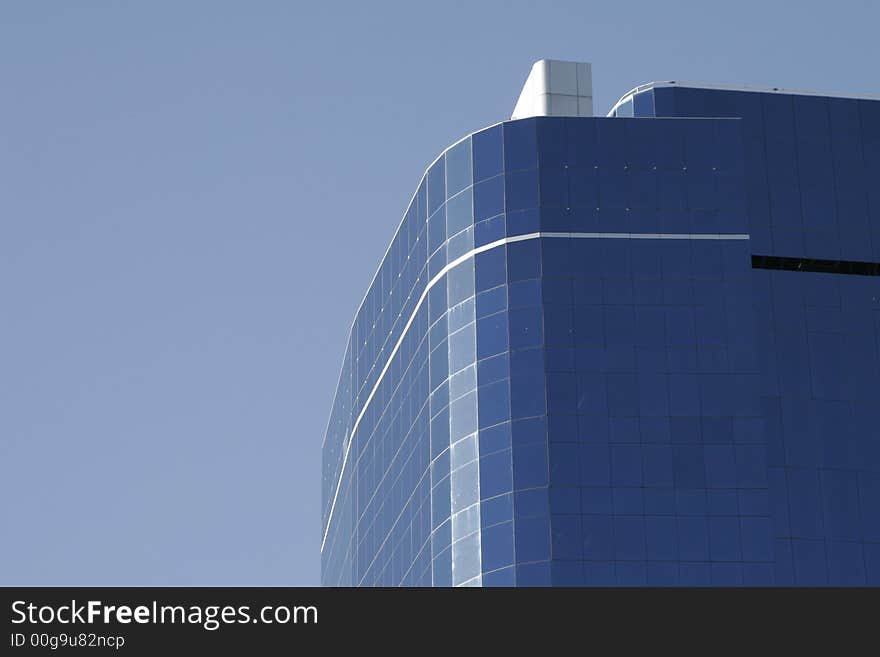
(488, 152)
(458, 167)
(625, 109)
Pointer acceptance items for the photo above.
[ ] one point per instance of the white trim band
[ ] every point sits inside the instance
(463, 258)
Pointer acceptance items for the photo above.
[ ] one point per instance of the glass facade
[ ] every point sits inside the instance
(570, 370)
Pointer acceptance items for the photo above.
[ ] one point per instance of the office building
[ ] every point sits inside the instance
(639, 349)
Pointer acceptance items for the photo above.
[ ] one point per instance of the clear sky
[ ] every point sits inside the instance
(193, 199)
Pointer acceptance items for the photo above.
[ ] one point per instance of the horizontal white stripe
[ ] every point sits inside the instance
(647, 236)
(463, 258)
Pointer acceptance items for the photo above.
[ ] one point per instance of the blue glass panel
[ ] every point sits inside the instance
(458, 167)
(599, 574)
(595, 465)
(505, 577)
(629, 538)
(643, 104)
(492, 301)
(552, 142)
(494, 403)
(581, 144)
(532, 502)
(694, 574)
(527, 388)
(522, 222)
(526, 327)
(489, 198)
(496, 474)
(523, 260)
(532, 539)
(436, 185)
(490, 269)
(524, 293)
(564, 464)
(497, 546)
(553, 185)
(809, 561)
(492, 335)
(533, 574)
(693, 538)
(459, 212)
(660, 538)
(631, 574)
(521, 190)
(664, 101)
(520, 145)
(488, 153)
(490, 230)
(566, 538)
(567, 573)
(495, 438)
(845, 563)
(662, 574)
(437, 230)
(565, 500)
(529, 466)
(625, 109)
(496, 510)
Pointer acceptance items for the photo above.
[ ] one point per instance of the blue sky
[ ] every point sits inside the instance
(193, 199)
